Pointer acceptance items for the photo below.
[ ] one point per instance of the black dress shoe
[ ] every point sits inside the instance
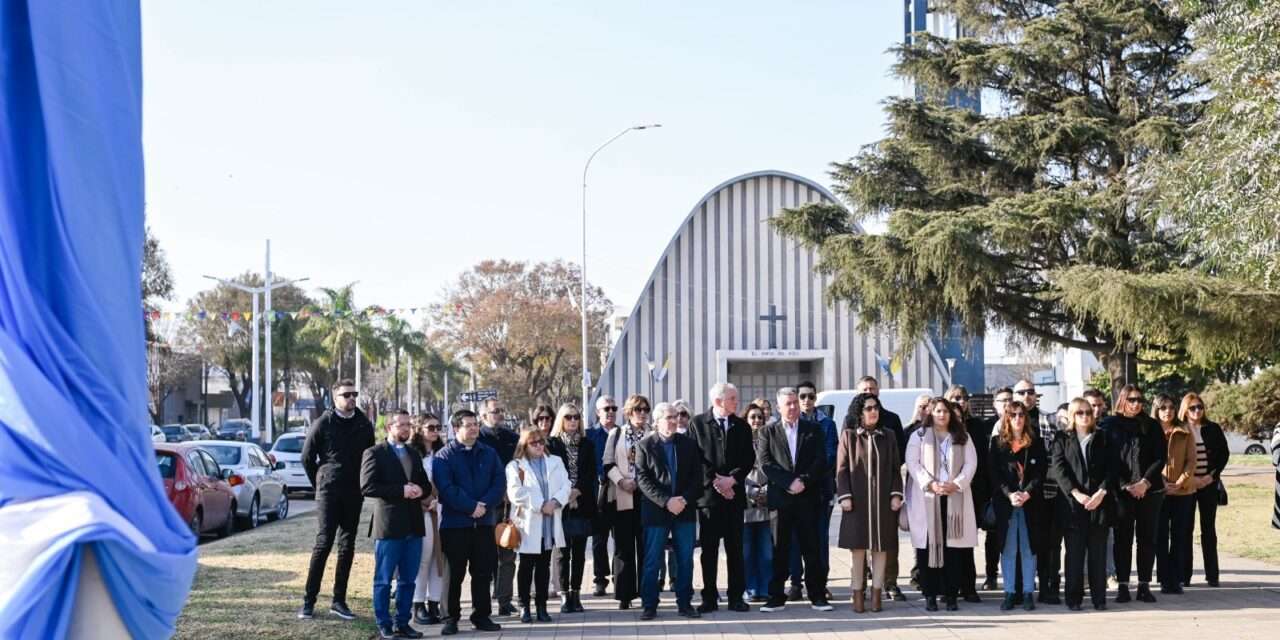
(1029, 603)
(1122, 593)
(1212, 583)
(972, 597)
(1099, 606)
(1007, 604)
(897, 594)
(708, 606)
(1049, 598)
(990, 585)
(930, 603)
(485, 624)
(542, 615)
(624, 604)
(433, 612)
(739, 606)
(648, 614)
(951, 605)
(1172, 590)
(601, 590)
(307, 612)
(526, 616)
(689, 612)
(506, 609)
(339, 608)
(1074, 606)
(406, 631)
(1145, 595)
(795, 594)
(774, 605)
(420, 612)
(450, 628)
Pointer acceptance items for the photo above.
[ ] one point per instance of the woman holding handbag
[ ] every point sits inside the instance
(619, 463)
(869, 492)
(538, 488)
(1212, 455)
(578, 454)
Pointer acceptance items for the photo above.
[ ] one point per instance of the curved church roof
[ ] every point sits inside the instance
(729, 289)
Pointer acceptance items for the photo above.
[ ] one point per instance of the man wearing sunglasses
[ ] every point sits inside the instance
(331, 456)
(606, 422)
(807, 392)
(498, 437)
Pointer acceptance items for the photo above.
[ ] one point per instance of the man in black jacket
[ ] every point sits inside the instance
(1141, 482)
(495, 435)
(331, 456)
(727, 457)
(669, 476)
(793, 456)
(391, 473)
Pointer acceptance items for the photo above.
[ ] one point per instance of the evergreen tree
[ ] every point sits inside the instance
(1034, 216)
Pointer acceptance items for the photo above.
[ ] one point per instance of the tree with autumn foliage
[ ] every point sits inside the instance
(519, 323)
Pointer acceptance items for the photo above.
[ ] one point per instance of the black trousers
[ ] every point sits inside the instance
(723, 522)
(535, 568)
(991, 548)
(627, 554)
(600, 528)
(953, 576)
(473, 550)
(340, 515)
(1136, 517)
(1048, 548)
(797, 525)
(1176, 517)
(1206, 502)
(1087, 544)
(573, 558)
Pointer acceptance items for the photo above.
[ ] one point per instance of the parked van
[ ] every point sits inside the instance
(835, 403)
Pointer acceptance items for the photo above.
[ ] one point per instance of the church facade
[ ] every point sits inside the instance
(732, 299)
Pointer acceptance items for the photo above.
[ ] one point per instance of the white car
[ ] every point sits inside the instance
(288, 449)
(157, 434)
(1239, 444)
(260, 490)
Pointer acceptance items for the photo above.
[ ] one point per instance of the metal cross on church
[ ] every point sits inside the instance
(773, 318)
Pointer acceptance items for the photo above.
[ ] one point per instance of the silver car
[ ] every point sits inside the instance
(260, 491)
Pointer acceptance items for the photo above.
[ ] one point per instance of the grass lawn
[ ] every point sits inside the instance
(1260, 460)
(1244, 525)
(250, 586)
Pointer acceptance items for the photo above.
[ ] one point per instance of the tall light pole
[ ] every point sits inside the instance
(586, 366)
(271, 318)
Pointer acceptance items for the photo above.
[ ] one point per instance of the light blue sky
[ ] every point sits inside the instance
(399, 143)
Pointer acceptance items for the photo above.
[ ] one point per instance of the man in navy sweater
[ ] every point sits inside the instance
(470, 480)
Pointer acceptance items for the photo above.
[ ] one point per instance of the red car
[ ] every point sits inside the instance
(196, 488)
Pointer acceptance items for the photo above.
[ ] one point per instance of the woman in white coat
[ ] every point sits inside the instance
(537, 488)
(941, 461)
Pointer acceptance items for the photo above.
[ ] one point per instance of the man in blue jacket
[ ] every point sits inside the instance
(470, 480)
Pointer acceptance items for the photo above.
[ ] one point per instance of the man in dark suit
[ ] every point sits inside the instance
(792, 455)
(495, 435)
(669, 475)
(727, 457)
(391, 473)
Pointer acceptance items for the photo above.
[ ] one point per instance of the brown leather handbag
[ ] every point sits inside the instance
(506, 534)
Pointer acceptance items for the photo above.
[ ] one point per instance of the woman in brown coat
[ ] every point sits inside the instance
(1179, 496)
(869, 486)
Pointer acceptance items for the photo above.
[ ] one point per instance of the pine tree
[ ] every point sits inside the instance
(1033, 217)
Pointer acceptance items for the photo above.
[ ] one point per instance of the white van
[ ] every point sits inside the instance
(835, 403)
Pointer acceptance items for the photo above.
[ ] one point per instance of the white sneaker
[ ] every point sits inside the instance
(821, 606)
(1112, 583)
(771, 607)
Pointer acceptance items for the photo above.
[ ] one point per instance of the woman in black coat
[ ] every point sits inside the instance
(579, 455)
(1084, 464)
(1211, 458)
(1017, 462)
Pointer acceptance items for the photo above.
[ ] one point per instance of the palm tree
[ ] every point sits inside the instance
(399, 336)
(339, 324)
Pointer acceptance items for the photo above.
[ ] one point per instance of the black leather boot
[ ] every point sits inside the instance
(543, 616)
(433, 612)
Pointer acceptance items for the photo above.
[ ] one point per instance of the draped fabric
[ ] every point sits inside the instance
(77, 468)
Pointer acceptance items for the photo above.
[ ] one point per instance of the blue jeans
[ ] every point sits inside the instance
(824, 546)
(1018, 542)
(655, 539)
(757, 549)
(391, 557)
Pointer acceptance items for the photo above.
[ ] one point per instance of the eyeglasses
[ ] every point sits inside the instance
(572, 416)
(755, 417)
(808, 396)
(493, 413)
(870, 407)
(961, 399)
(683, 414)
(431, 427)
(1136, 399)
(540, 443)
(610, 409)
(640, 410)
(1196, 407)
(1018, 414)
(1081, 414)
(542, 418)
(1023, 392)
(350, 394)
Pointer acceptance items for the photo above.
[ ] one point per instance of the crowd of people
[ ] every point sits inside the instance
(757, 484)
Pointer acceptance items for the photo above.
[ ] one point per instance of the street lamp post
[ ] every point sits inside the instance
(586, 366)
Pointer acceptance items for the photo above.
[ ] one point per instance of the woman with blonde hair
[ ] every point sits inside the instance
(1017, 468)
(1084, 465)
(619, 466)
(578, 453)
(538, 489)
(1179, 495)
(941, 462)
(1212, 455)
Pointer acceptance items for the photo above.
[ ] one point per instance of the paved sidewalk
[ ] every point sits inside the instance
(1247, 605)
